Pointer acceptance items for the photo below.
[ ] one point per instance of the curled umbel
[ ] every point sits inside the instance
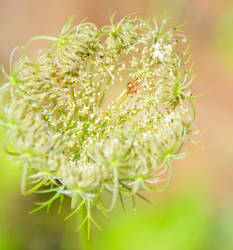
(73, 136)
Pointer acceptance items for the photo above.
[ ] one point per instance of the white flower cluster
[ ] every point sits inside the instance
(161, 51)
(65, 135)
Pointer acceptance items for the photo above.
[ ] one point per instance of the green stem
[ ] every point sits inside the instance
(85, 242)
(121, 99)
(105, 91)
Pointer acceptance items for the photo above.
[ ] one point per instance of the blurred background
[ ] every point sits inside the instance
(196, 212)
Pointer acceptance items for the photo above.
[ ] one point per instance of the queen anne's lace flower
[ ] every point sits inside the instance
(68, 139)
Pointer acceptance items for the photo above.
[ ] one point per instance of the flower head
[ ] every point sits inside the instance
(65, 134)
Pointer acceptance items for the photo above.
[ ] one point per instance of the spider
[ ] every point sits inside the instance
(132, 86)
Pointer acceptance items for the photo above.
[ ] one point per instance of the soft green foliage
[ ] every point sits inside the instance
(184, 221)
(70, 140)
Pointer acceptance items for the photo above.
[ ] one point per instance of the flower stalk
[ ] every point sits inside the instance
(84, 237)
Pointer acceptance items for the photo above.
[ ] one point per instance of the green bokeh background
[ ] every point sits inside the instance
(196, 212)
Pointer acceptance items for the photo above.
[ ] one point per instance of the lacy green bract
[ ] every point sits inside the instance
(69, 140)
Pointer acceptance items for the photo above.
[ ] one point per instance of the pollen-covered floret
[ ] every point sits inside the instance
(65, 134)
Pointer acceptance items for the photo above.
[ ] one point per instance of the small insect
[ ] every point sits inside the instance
(132, 86)
(59, 181)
